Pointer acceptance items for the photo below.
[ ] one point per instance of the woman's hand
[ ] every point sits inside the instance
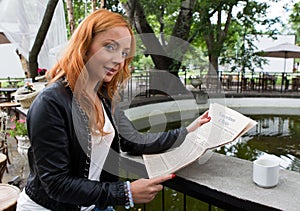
(204, 118)
(144, 190)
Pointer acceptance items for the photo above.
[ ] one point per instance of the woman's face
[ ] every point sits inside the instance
(107, 53)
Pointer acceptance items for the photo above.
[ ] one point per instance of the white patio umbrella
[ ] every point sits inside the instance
(284, 50)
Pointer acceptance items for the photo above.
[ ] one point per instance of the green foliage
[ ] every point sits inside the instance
(208, 28)
(18, 128)
(226, 32)
(142, 62)
(294, 21)
(162, 11)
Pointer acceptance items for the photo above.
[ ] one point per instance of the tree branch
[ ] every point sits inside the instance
(40, 37)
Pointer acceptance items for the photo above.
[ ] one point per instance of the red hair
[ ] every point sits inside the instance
(72, 63)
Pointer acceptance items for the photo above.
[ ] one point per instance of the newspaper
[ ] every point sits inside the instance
(225, 126)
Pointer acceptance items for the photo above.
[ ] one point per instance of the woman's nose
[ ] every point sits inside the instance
(118, 57)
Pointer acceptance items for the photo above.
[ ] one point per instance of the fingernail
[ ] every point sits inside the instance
(173, 176)
(209, 117)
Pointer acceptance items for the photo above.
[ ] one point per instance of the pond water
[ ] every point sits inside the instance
(274, 135)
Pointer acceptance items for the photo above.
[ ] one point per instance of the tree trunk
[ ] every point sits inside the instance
(102, 4)
(70, 16)
(40, 37)
(94, 5)
(215, 36)
(153, 47)
(165, 57)
(213, 63)
(179, 41)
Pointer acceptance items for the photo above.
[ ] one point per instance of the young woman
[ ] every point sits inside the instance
(76, 132)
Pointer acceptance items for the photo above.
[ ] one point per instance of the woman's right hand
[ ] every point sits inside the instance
(203, 119)
(145, 190)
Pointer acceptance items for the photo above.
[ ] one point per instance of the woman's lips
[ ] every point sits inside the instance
(111, 71)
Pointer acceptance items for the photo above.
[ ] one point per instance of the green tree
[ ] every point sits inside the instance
(226, 23)
(215, 22)
(294, 21)
(219, 27)
(75, 12)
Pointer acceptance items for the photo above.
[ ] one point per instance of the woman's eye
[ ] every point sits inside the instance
(124, 54)
(115, 48)
(109, 47)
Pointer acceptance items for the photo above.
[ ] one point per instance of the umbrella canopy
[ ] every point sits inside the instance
(284, 50)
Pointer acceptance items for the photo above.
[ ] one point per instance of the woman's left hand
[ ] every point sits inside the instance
(204, 118)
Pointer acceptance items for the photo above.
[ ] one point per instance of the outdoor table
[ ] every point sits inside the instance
(11, 82)
(7, 91)
(22, 111)
(8, 196)
(8, 106)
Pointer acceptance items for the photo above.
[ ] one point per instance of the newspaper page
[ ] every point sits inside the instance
(225, 126)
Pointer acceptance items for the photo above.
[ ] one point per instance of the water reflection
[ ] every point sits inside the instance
(277, 136)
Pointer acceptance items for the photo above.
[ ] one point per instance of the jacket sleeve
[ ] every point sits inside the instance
(53, 160)
(138, 143)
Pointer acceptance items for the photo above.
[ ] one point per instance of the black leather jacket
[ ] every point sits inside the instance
(59, 156)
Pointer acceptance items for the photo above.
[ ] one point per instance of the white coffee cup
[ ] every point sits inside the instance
(266, 172)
